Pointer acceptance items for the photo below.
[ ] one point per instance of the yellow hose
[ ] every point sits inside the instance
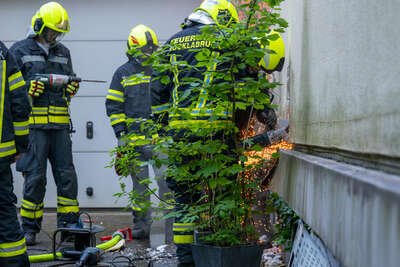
(44, 257)
(116, 237)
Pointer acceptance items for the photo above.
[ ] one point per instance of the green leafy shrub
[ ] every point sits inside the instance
(209, 155)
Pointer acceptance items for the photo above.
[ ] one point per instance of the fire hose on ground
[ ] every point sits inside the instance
(116, 238)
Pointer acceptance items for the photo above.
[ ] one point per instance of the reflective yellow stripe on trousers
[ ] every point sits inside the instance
(183, 233)
(67, 205)
(31, 210)
(12, 249)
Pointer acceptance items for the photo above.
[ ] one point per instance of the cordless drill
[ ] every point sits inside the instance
(56, 81)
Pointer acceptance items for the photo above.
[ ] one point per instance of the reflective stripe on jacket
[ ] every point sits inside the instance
(129, 96)
(14, 107)
(188, 100)
(50, 109)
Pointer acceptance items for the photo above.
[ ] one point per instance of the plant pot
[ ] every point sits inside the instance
(238, 256)
(199, 235)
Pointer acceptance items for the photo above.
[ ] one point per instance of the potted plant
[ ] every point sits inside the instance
(209, 156)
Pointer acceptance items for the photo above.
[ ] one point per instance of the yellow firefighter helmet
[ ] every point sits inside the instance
(273, 61)
(223, 12)
(51, 15)
(142, 37)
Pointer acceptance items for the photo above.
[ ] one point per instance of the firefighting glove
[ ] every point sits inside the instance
(72, 88)
(268, 118)
(36, 88)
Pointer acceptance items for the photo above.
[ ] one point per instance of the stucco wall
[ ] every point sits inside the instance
(345, 74)
(342, 80)
(355, 211)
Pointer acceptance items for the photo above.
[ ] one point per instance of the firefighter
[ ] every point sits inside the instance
(221, 13)
(14, 114)
(268, 64)
(42, 53)
(180, 95)
(129, 99)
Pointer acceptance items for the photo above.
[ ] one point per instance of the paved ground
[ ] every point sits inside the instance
(151, 252)
(155, 252)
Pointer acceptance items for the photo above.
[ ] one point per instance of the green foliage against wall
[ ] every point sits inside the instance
(209, 155)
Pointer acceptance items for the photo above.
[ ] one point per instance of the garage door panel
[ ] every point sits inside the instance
(96, 61)
(92, 172)
(100, 19)
(97, 42)
(91, 109)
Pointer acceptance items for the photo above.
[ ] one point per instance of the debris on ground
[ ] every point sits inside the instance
(273, 257)
(163, 255)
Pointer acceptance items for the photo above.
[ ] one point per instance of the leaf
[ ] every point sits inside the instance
(223, 181)
(212, 183)
(165, 79)
(275, 155)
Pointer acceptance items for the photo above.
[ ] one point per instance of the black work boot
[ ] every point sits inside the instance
(30, 239)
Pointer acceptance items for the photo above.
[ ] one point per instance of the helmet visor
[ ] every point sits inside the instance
(149, 49)
(51, 36)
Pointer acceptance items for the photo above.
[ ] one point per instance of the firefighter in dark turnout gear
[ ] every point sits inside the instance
(127, 99)
(41, 53)
(14, 114)
(180, 95)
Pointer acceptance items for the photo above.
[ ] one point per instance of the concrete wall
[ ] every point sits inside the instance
(342, 79)
(345, 74)
(355, 211)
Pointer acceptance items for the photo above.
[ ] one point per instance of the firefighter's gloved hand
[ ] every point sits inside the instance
(72, 88)
(36, 88)
(268, 117)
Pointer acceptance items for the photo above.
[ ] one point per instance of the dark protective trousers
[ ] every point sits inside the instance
(56, 146)
(141, 219)
(12, 242)
(183, 194)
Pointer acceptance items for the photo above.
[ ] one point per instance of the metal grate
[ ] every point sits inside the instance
(309, 251)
